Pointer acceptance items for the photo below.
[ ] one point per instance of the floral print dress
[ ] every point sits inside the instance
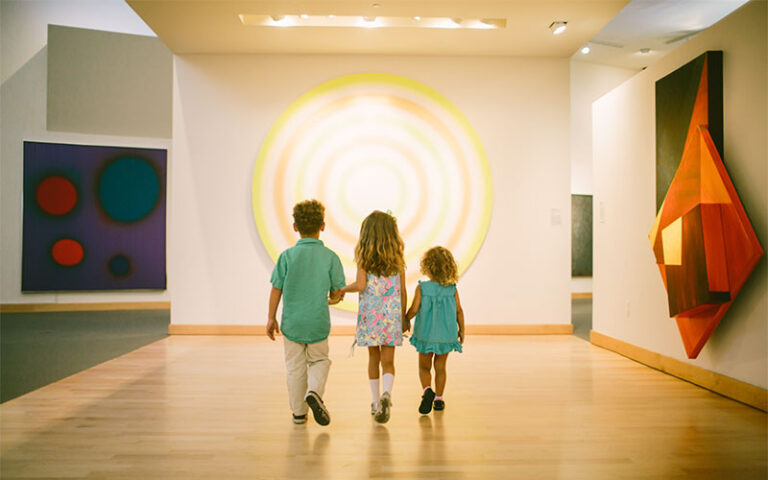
(380, 312)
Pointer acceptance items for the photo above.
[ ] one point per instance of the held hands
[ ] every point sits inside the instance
(272, 328)
(406, 325)
(338, 297)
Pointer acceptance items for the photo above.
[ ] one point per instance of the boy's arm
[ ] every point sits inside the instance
(358, 285)
(460, 318)
(274, 301)
(414, 308)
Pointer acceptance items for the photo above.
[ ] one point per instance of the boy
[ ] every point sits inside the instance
(304, 275)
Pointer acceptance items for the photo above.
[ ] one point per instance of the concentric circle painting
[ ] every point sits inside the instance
(368, 142)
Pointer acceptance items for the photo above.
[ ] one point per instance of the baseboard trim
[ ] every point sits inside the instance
(751, 395)
(581, 295)
(81, 307)
(182, 329)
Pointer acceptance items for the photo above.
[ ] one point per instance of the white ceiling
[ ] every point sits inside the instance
(615, 30)
(213, 26)
(658, 25)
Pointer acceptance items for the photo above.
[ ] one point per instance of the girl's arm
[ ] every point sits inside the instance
(358, 285)
(403, 299)
(414, 308)
(460, 318)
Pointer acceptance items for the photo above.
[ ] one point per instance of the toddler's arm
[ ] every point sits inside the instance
(414, 308)
(460, 318)
(358, 285)
(274, 301)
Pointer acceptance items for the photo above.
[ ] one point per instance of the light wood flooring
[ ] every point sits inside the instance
(527, 407)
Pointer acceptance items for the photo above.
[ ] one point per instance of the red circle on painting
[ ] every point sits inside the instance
(56, 195)
(67, 252)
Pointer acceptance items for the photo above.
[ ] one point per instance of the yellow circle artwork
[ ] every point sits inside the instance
(368, 142)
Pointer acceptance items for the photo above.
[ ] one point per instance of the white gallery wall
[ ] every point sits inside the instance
(629, 298)
(224, 106)
(589, 81)
(23, 117)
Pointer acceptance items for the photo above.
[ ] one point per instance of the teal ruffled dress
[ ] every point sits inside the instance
(435, 329)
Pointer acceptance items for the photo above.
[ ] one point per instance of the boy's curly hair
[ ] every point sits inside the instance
(308, 216)
(438, 264)
(380, 248)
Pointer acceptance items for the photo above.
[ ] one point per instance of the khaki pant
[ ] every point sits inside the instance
(306, 366)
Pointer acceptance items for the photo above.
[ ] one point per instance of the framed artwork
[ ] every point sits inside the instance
(93, 218)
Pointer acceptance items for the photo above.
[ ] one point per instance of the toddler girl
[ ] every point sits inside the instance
(439, 326)
(381, 283)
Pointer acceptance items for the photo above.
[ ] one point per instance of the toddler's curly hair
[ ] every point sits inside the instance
(308, 216)
(438, 264)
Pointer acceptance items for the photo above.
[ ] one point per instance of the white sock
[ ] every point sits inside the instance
(388, 379)
(374, 389)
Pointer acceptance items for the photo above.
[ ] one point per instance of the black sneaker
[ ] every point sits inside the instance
(318, 408)
(299, 419)
(426, 401)
(439, 405)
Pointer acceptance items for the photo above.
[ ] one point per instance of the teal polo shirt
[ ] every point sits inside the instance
(306, 273)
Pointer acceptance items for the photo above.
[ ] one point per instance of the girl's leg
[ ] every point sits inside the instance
(425, 369)
(440, 373)
(387, 367)
(374, 358)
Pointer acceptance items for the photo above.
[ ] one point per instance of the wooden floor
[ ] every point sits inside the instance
(527, 407)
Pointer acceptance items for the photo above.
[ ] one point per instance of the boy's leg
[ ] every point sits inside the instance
(319, 364)
(296, 372)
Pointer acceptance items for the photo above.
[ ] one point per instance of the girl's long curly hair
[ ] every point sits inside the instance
(380, 248)
(438, 264)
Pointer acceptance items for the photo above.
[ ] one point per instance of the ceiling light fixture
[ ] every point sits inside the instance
(558, 27)
(368, 20)
(585, 49)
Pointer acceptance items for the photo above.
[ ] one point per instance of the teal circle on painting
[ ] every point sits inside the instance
(128, 189)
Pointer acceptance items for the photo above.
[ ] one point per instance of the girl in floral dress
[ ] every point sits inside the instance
(381, 283)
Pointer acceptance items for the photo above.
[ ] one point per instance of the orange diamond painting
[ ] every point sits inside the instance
(703, 241)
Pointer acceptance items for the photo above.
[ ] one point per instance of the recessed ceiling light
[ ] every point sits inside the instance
(417, 18)
(585, 49)
(369, 19)
(304, 16)
(558, 27)
(331, 16)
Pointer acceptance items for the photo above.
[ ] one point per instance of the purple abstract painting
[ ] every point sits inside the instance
(94, 218)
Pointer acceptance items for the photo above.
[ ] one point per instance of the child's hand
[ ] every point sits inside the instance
(406, 326)
(461, 336)
(336, 297)
(272, 328)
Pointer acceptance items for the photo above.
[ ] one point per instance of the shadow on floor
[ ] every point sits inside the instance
(41, 348)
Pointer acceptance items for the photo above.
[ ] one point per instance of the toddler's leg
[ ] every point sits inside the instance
(319, 364)
(296, 372)
(440, 373)
(425, 369)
